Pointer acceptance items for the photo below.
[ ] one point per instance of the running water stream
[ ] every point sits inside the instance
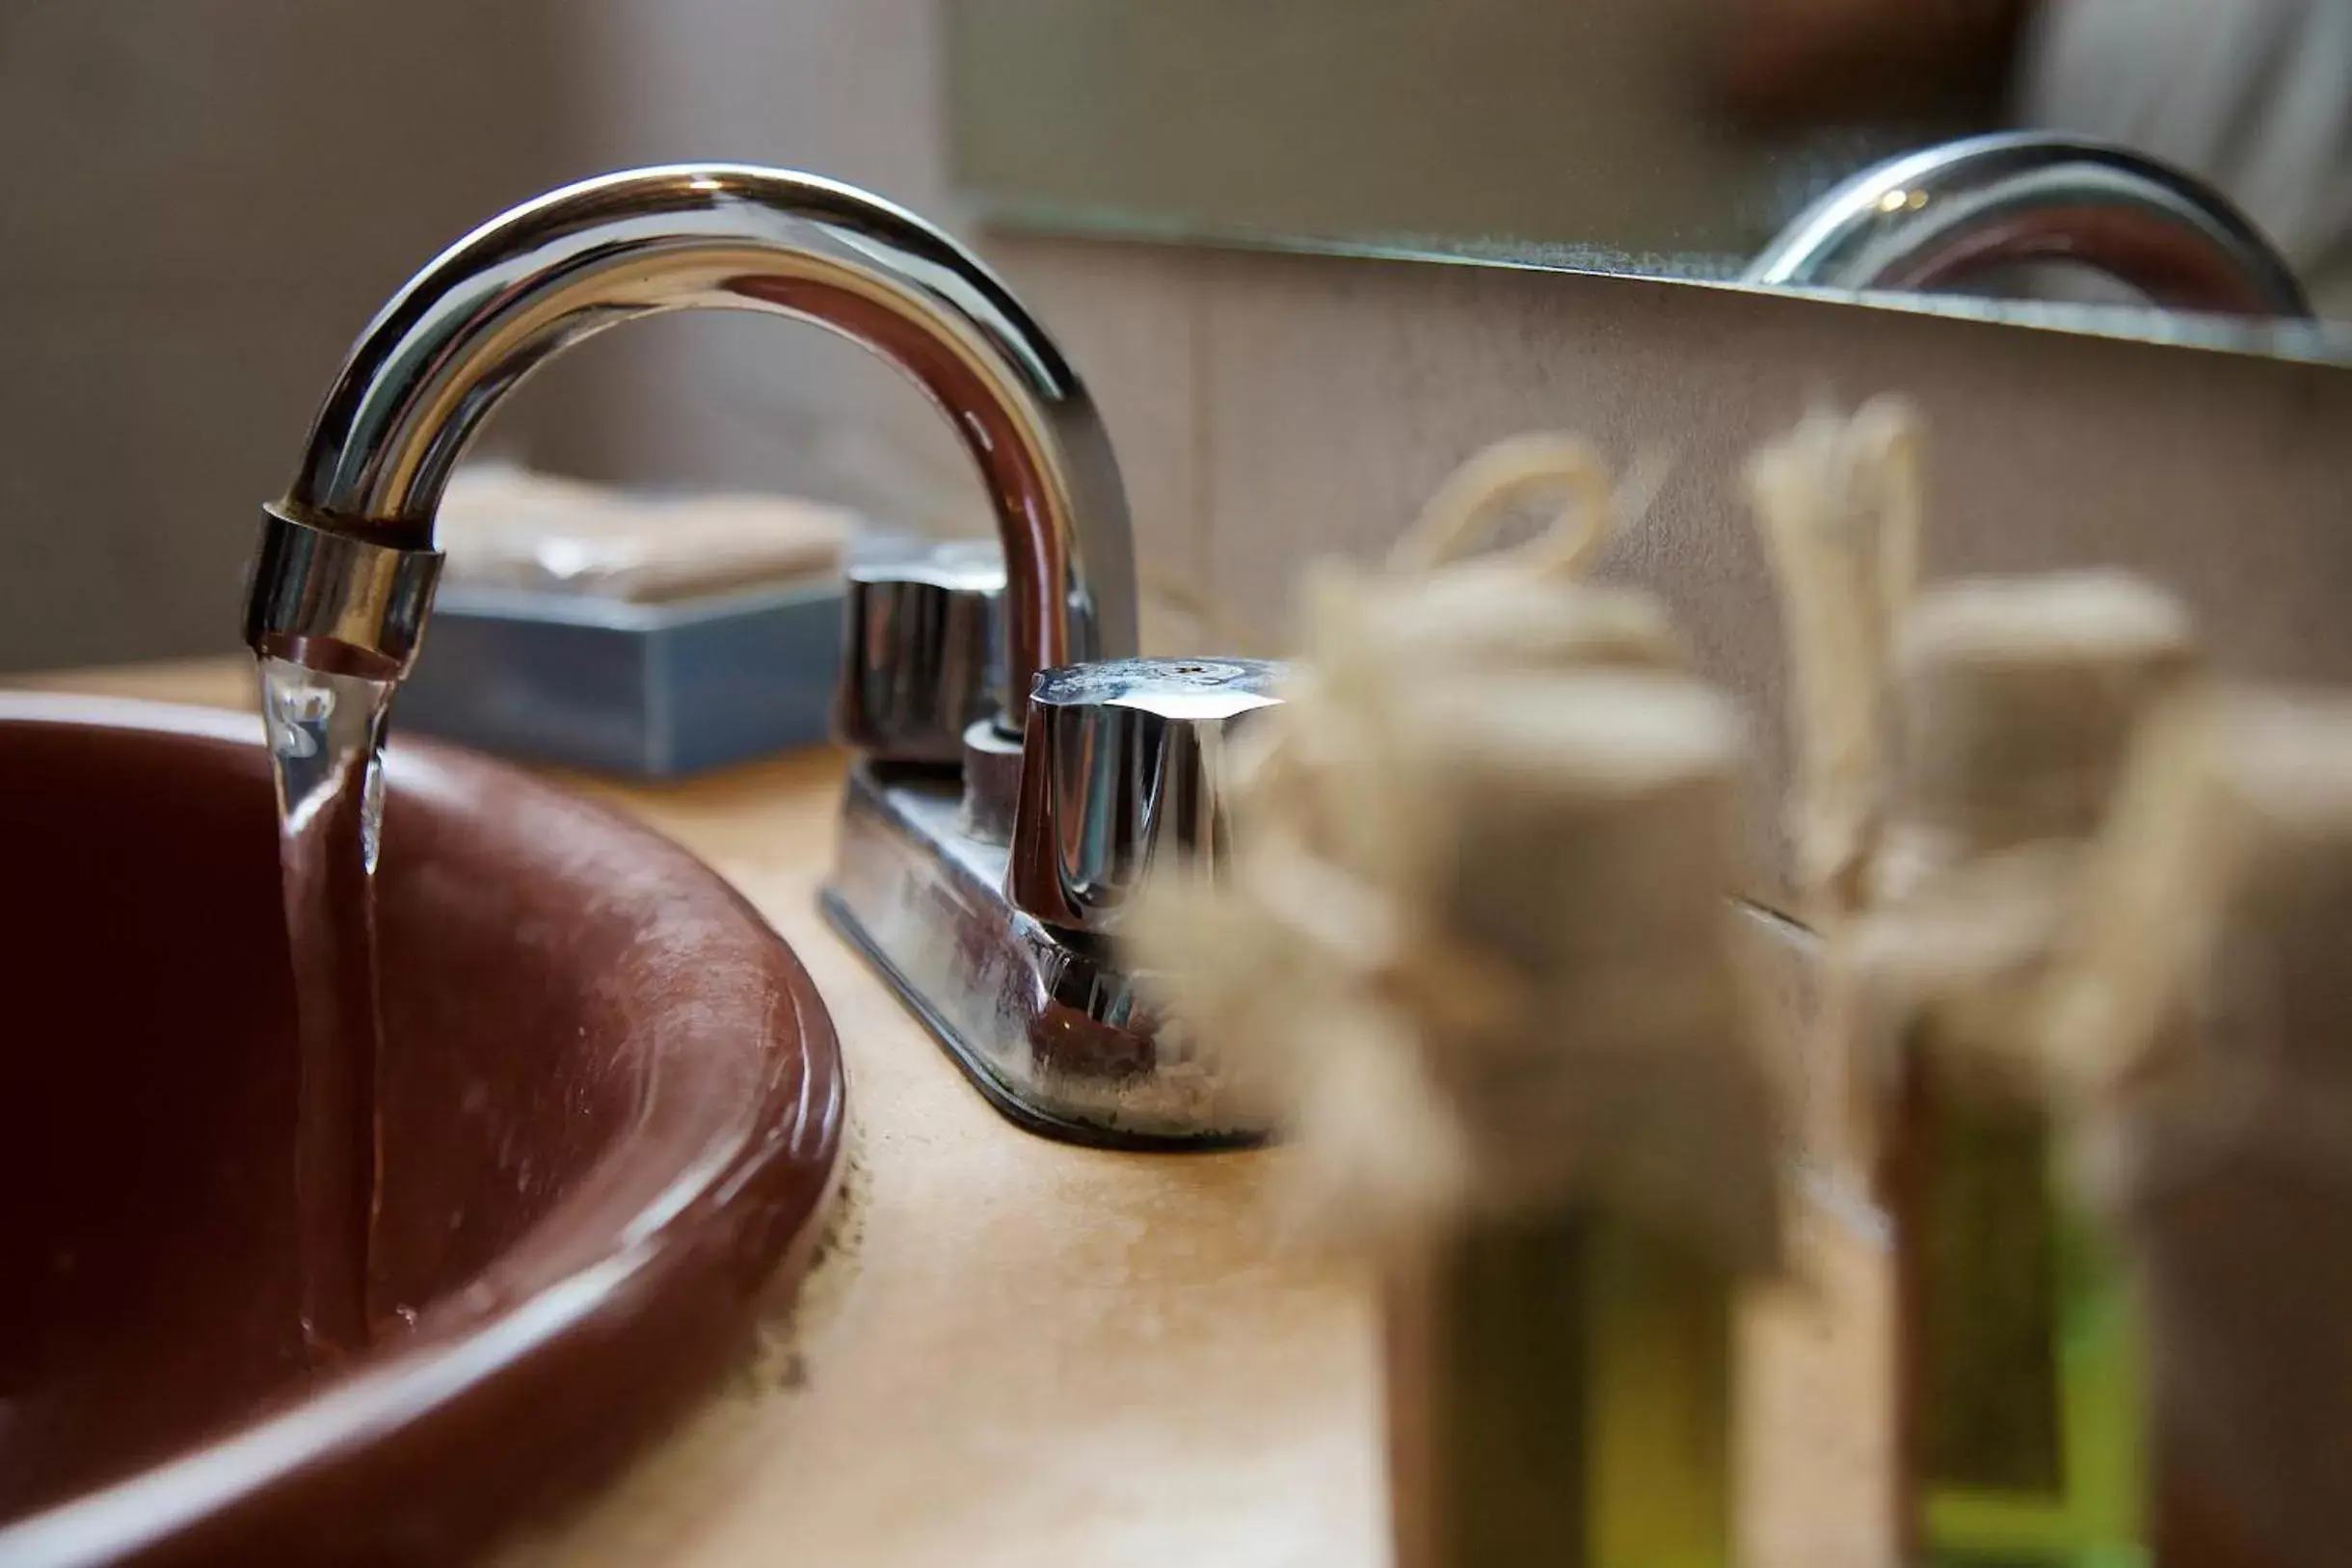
(325, 739)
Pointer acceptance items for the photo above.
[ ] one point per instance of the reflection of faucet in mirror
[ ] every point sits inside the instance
(1483, 132)
(1025, 995)
(1926, 220)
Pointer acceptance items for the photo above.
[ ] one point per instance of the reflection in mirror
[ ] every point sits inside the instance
(2029, 213)
(1676, 138)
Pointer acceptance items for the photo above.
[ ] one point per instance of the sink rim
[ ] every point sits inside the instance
(680, 1276)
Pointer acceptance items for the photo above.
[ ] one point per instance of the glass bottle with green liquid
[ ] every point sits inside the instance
(1560, 1347)
(2021, 1415)
(1491, 832)
(2020, 1388)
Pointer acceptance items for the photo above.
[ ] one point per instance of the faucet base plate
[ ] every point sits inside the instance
(1045, 1024)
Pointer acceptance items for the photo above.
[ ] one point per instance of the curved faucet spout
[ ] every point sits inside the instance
(1927, 218)
(346, 567)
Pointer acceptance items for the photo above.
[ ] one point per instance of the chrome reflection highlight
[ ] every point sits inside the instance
(467, 330)
(1927, 219)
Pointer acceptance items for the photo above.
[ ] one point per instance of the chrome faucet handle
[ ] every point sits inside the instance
(920, 646)
(1119, 774)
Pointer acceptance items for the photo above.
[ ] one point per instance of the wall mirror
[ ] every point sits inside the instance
(1684, 137)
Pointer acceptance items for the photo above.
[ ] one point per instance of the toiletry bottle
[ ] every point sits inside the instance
(1475, 932)
(2021, 1419)
(2206, 985)
(1559, 1348)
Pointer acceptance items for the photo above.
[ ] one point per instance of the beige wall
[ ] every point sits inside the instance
(202, 202)
(845, 88)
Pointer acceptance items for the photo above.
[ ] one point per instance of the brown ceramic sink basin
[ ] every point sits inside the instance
(610, 1106)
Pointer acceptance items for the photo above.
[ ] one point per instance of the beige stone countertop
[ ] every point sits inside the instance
(1023, 1352)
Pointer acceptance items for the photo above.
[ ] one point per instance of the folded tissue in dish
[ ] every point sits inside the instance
(645, 635)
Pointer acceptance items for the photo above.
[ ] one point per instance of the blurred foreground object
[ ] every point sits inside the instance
(1838, 502)
(1474, 950)
(2023, 1418)
(639, 634)
(2208, 994)
(1959, 749)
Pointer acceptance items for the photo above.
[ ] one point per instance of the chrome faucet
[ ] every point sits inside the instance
(1928, 217)
(942, 649)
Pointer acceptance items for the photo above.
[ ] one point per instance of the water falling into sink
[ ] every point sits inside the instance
(326, 737)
